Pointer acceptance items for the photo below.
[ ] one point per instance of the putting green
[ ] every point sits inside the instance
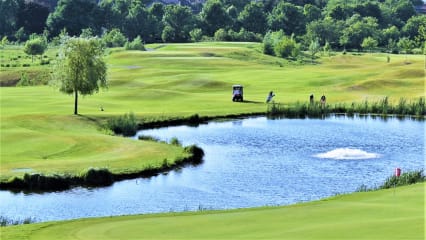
(384, 214)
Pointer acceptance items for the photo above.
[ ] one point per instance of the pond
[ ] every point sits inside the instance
(248, 163)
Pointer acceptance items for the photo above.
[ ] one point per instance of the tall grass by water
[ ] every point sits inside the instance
(383, 107)
(406, 178)
(4, 221)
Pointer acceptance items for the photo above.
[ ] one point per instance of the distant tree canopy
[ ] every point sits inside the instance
(340, 23)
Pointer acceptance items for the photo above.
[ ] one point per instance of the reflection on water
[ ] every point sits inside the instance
(251, 162)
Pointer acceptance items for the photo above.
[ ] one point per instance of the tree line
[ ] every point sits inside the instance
(339, 24)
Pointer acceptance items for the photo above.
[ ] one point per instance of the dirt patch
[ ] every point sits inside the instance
(9, 82)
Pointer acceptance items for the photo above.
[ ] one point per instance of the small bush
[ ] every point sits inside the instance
(175, 141)
(45, 62)
(196, 152)
(136, 44)
(125, 124)
(97, 177)
(26, 65)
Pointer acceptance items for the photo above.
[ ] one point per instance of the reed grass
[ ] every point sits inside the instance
(383, 107)
(125, 125)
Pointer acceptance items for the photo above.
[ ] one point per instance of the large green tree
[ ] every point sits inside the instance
(8, 10)
(81, 68)
(73, 15)
(178, 22)
(32, 17)
(214, 16)
(325, 30)
(252, 18)
(359, 28)
(283, 17)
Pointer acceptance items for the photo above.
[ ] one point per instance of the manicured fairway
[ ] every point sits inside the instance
(40, 134)
(385, 214)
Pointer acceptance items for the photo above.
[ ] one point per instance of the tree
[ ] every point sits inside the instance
(404, 10)
(178, 22)
(114, 13)
(157, 12)
(139, 22)
(311, 12)
(196, 34)
(20, 35)
(114, 38)
(74, 15)
(80, 68)
(214, 16)
(369, 43)
(8, 10)
(388, 34)
(325, 30)
(35, 46)
(287, 17)
(287, 47)
(252, 18)
(314, 48)
(32, 16)
(358, 29)
(4, 41)
(414, 24)
(406, 45)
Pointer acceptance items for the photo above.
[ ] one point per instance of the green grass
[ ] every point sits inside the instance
(39, 132)
(14, 62)
(385, 214)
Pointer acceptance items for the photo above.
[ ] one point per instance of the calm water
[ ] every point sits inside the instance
(248, 163)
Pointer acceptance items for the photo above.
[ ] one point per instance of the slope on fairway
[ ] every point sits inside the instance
(384, 214)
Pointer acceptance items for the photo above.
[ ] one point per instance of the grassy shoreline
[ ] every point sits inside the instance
(383, 214)
(95, 177)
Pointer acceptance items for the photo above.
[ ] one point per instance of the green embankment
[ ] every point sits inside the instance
(385, 214)
(40, 134)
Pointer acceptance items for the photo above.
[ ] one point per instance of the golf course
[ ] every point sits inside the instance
(40, 134)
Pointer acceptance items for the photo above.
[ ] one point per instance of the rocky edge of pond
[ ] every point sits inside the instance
(95, 177)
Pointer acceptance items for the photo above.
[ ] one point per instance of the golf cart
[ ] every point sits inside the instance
(237, 93)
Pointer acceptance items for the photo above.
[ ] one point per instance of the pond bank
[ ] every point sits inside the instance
(96, 177)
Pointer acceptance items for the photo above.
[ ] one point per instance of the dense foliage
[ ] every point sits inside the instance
(344, 24)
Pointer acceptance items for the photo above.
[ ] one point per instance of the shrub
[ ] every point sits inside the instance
(196, 152)
(136, 44)
(125, 124)
(175, 141)
(114, 38)
(221, 35)
(196, 35)
(42, 182)
(45, 62)
(97, 177)
(287, 47)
